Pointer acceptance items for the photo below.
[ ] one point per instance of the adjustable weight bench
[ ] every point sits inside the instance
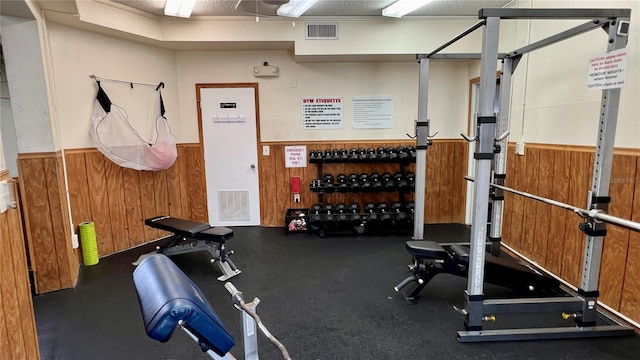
(431, 258)
(191, 236)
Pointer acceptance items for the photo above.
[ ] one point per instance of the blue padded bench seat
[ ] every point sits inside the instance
(166, 296)
(191, 229)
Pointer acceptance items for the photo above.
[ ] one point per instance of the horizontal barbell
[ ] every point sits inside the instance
(595, 214)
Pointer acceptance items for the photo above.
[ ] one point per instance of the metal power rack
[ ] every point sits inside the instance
(491, 132)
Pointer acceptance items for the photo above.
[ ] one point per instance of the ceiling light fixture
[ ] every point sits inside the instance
(179, 8)
(401, 8)
(295, 8)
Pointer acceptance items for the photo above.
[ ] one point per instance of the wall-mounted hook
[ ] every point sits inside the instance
(469, 139)
(503, 136)
(432, 135)
(411, 136)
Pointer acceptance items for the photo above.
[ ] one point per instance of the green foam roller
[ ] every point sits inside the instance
(89, 244)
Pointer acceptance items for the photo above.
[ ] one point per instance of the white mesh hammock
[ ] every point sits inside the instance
(150, 144)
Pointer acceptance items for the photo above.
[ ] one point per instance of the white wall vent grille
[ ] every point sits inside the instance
(233, 205)
(322, 31)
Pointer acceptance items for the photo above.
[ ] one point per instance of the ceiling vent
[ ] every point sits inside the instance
(322, 31)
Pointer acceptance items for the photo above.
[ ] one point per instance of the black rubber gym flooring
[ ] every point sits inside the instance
(324, 298)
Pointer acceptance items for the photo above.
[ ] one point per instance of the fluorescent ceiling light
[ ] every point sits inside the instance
(295, 8)
(180, 8)
(401, 8)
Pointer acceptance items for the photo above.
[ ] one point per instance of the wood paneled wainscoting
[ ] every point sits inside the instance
(117, 199)
(18, 338)
(444, 188)
(46, 217)
(550, 236)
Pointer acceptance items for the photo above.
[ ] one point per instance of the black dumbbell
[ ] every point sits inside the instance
(354, 211)
(410, 209)
(354, 185)
(398, 211)
(371, 155)
(393, 156)
(335, 154)
(365, 184)
(344, 155)
(412, 153)
(382, 154)
(411, 178)
(327, 157)
(403, 155)
(342, 183)
(353, 154)
(341, 215)
(388, 182)
(315, 156)
(370, 213)
(328, 183)
(383, 212)
(376, 182)
(316, 214)
(401, 182)
(362, 155)
(329, 216)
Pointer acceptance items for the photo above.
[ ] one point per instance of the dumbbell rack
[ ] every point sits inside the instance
(363, 157)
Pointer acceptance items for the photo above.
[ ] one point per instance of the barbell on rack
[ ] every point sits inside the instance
(596, 214)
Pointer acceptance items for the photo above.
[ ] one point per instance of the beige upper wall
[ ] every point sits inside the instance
(553, 80)
(77, 54)
(280, 97)
(550, 102)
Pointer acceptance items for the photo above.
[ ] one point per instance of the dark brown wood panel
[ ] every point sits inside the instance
(459, 190)
(432, 184)
(148, 202)
(544, 173)
(99, 200)
(507, 213)
(162, 197)
(38, 223)
(61, 235)
(197, 188)
(133, 207)
(14, 238)
(529, 205)
(183, 173)
(173, 190)
(78, 188)
(579, 183)
(557, 225)
(12, 235)
(517, 217)
(630, 299)
(117, 206)
(268, 188)
(12, 340)
(616, 243)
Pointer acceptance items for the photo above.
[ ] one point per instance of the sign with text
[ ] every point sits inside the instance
(372, 112)
(295, 156)
(319, 113)
(607, 70)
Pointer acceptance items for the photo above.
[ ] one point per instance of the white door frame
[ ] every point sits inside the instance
(199, 87)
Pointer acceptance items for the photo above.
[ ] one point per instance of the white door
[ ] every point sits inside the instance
(229, 136)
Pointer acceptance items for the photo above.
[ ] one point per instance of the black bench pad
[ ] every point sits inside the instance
(191, 229)
(426, 249)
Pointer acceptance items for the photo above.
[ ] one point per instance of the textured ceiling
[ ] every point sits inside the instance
(323, 8)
